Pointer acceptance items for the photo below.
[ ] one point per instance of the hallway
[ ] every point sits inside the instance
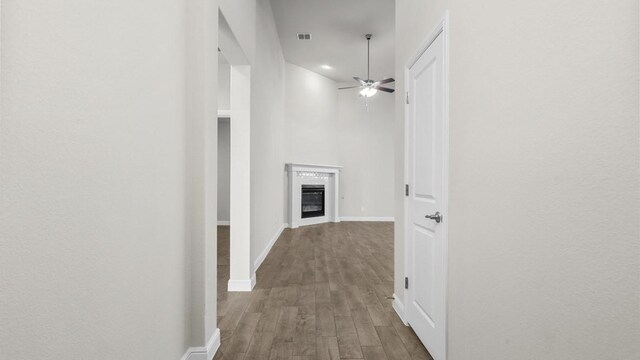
(322, 293)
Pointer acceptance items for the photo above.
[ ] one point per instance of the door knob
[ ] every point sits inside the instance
(437, 217)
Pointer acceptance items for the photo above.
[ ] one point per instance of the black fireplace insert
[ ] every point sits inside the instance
(312, 201)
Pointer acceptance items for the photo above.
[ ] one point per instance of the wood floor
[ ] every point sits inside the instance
(322, 293)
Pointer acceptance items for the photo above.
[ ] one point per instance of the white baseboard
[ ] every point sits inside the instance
(367, 218)
(242, 285)
(266, 250)
(204, 352)
(224, 223)
(248, 284)
(399, 308)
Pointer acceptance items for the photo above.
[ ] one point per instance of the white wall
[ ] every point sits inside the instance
(224, 82)
(240, 188)
(253, 27)
(241, 17)
(544, 197)
(108, 211)
(312, 116)
(201, 165)
(224, 158)
(268, 141)
(224, 140)
(366, 150)
(93, 216)
(333, 127)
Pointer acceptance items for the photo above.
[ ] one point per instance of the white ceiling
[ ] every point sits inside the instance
(337, 28)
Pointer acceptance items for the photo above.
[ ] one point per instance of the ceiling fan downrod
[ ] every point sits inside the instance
(368, 36)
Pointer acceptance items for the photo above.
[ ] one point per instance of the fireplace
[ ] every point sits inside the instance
(312, 201)
(313, 194)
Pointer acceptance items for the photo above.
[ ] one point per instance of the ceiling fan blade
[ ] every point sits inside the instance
(384, 89)
(362, 82)
(384, 81)
(349, 87)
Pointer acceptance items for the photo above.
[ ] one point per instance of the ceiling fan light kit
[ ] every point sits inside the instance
(370, 87)
(368, 92)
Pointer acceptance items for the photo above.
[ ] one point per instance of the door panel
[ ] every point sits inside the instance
(423, 84)
(426, 311)
(424, 260)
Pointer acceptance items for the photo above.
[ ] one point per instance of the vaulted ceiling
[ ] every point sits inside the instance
(337, 30)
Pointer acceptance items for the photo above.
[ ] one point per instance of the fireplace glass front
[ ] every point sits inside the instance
(312, 201)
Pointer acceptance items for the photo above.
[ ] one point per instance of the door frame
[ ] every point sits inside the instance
(442, 28)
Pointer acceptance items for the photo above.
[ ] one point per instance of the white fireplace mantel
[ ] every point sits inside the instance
(313, 174)
(314, 167)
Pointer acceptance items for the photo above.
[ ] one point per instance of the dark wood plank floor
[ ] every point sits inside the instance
(323, 292)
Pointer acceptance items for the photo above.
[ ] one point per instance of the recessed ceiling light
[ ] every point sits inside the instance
(327, 67)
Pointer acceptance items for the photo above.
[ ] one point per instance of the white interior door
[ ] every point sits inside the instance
(426, 237)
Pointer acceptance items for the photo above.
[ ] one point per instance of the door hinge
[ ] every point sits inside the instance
(406, 189)
(406, 283)
(407, 97)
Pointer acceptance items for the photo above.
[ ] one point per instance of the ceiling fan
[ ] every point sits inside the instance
(370, 87)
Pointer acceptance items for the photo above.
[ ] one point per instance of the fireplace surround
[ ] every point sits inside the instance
(313, 194)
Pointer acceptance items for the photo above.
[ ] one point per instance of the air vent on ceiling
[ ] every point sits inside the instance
(304, 36)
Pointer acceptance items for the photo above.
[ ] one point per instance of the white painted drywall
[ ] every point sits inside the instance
(224, 140)
(268, 133)
(366, 150)
(224, 159)
(224, 83)
(240, 170)
(543, 223)
(254, 29)
(312, 116)
(201, 164)
(333, 127)
(93, 209)
(241, 18)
